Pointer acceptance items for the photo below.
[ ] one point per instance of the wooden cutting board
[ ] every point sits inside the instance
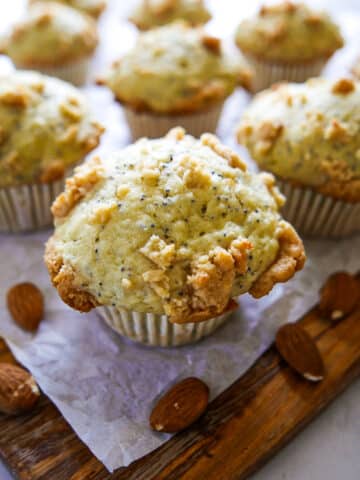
(244, 427)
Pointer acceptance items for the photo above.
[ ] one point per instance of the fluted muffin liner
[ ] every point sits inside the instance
(267, 73)
(317, 215)
(26, 208)
(143, 124)
(75, 72)
(156, 330)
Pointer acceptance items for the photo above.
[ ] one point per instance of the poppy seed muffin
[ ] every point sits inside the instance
(172, 74)
(94, 8)
(46, 128)
(174, 226)
(288, 41)
(54, 39)
(308, 135)
(154, 13)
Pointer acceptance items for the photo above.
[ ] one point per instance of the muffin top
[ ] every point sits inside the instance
(174, 225)
(45, 127)
(289, 32)
(91, 7)
(51, 34)
(309, 134)
(175, 69)
(153, 13)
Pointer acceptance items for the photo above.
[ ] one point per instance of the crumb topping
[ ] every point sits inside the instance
(76, 187)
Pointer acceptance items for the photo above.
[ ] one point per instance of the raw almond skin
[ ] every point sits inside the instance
(19, 392)
(299, 350)
(180, 406)
(26, 305)
(340, 295)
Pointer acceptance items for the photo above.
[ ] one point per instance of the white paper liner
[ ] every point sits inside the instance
(156, 330)
(26, 208)
(317, 215)
(155, 126)
(75, 72)
(267, 73)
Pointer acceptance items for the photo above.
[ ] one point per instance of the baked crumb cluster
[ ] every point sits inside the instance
(173, 225)
(45, 127)
(289, 32)
(176, 69)
(154, 13)
(49, 27)
(308, 134)
(93, 8)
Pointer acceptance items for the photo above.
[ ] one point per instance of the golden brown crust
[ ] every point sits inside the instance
(290, 259)
(347, 190)
(232, 157)
(339, 189)
(209, 289)
(66, 281)
(54, 171)
(269, 182)
(84, 180)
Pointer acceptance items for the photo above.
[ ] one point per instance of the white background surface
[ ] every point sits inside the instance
(329, 448)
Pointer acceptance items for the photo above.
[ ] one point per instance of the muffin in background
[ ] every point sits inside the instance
(287, 41)
(54, 39)
(155, 13)
(171, 230)
(308, 136)
(46, 129)
(94, 8)
(175, 75)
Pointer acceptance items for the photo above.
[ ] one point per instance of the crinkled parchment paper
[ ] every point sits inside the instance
(103, 384)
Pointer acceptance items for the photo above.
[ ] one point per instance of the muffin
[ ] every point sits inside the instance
(308, 135)
(154, 13)
(162, 235)
(175, 75)
(55, 40)
(287, 41)
(46, 129)
(94, 8)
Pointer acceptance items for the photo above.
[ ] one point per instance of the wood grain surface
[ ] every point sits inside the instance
(244, 427)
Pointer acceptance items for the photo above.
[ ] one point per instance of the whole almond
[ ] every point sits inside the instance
(26, 305)
(299, 350)
(18, 390)
(340, 295)
(181, 406)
